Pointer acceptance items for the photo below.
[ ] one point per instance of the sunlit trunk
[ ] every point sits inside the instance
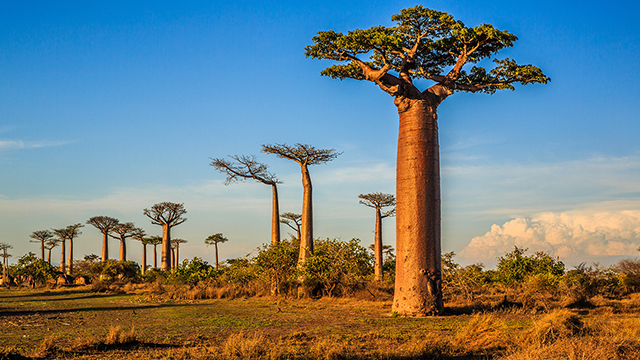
(42, 250)
(418, 288)
(70, 267)
(105, 247)
(123, 250)
(377, 245)
(306, 228)
(275, 217)
(155, 256)
(216, 247)
(62, 256)
(165, 262)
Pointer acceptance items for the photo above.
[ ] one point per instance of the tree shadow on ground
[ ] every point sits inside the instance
(10, 313)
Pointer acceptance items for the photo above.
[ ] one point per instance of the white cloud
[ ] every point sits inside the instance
(574, 236)
(19, 144)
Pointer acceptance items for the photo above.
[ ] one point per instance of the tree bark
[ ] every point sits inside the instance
(306, 228)
(418, 288)
(216, 247)
(275, 217)
(144, 258)
(49, 256)
(378, 245)
(123, 250)
(42, 250)
(155, 256)
(165, 262)
(70, 267)
(105, 247)
(177, 255)
(62, 257)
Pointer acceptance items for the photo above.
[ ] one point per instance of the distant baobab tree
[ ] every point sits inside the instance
(177, 242)
(49, 245)
(141, 236)
(423, 44)
(214, 240)
(378, 200)
(68, 233)
(41, 237)
(304, 155)
(292, 220)
(167, 215)
(247, 167)
(5, 255)
(155, 241)
(105, 224)
(123, 231)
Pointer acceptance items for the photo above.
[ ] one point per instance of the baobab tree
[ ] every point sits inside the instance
(123, 231)
(41, 237)
(167, 215)
(304, 155)
(177, 242)
(155, 241)
(105, 224)
(378, 200)
(292, 220)
(50, 244)
(5, 255)
(140, 236)
(247, 167)
(431, 45)
(214, 240)
(68, 233)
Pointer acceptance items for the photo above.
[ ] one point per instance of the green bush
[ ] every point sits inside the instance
(29, 265)
(514, 267)
(193, 271)
(337, 267)
(112, 270)
(276, 264)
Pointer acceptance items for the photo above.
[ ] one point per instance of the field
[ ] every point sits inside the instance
(77, 322)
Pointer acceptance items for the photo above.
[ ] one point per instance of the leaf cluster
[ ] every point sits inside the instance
(166, 213)
(303, 154)
(244, 167)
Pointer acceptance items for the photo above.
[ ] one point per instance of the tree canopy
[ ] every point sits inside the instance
(425, 44)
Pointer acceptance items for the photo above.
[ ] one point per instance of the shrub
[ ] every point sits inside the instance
(193, 271)
(514, 267)
(276, 264)
(112, 270)
(29, 265)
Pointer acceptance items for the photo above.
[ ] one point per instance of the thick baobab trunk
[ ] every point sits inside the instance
(418, 288)
(105, 247)
(42, 251)
(123, 250)
(155, 256)
(165, 261)
(275, 217)
(62, 256)
(306, 227)
(49, 256)
(377, 245)
(215, 246)
(70, 267)
(144, 258)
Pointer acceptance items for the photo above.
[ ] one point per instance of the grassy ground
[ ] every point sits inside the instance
(78, 323)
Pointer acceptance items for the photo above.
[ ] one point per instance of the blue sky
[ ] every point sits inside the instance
(108, 109)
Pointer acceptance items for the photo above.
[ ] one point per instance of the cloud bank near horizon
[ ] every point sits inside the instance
(573, 236)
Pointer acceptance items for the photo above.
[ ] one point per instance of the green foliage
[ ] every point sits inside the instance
(515, 266)
(193, 271)
(337, 267)
(112, 270)
(30, 265)
(277, 263)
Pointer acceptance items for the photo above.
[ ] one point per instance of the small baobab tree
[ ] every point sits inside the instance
(104, 224)
(292, 220)
(430, 45)
(304, 155)
(378, 200)
(141, 236)
(214, 240)
(167, 215)
(41, 237)
(49, 245)
(155, 241)
(123, 231)
(5, 255)
(177, 242)
(247, 167)
(68, 233)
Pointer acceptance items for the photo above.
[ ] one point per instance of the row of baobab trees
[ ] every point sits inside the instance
(243, 167)
(165, 214)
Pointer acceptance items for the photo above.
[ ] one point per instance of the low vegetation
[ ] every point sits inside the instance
(529, 307)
